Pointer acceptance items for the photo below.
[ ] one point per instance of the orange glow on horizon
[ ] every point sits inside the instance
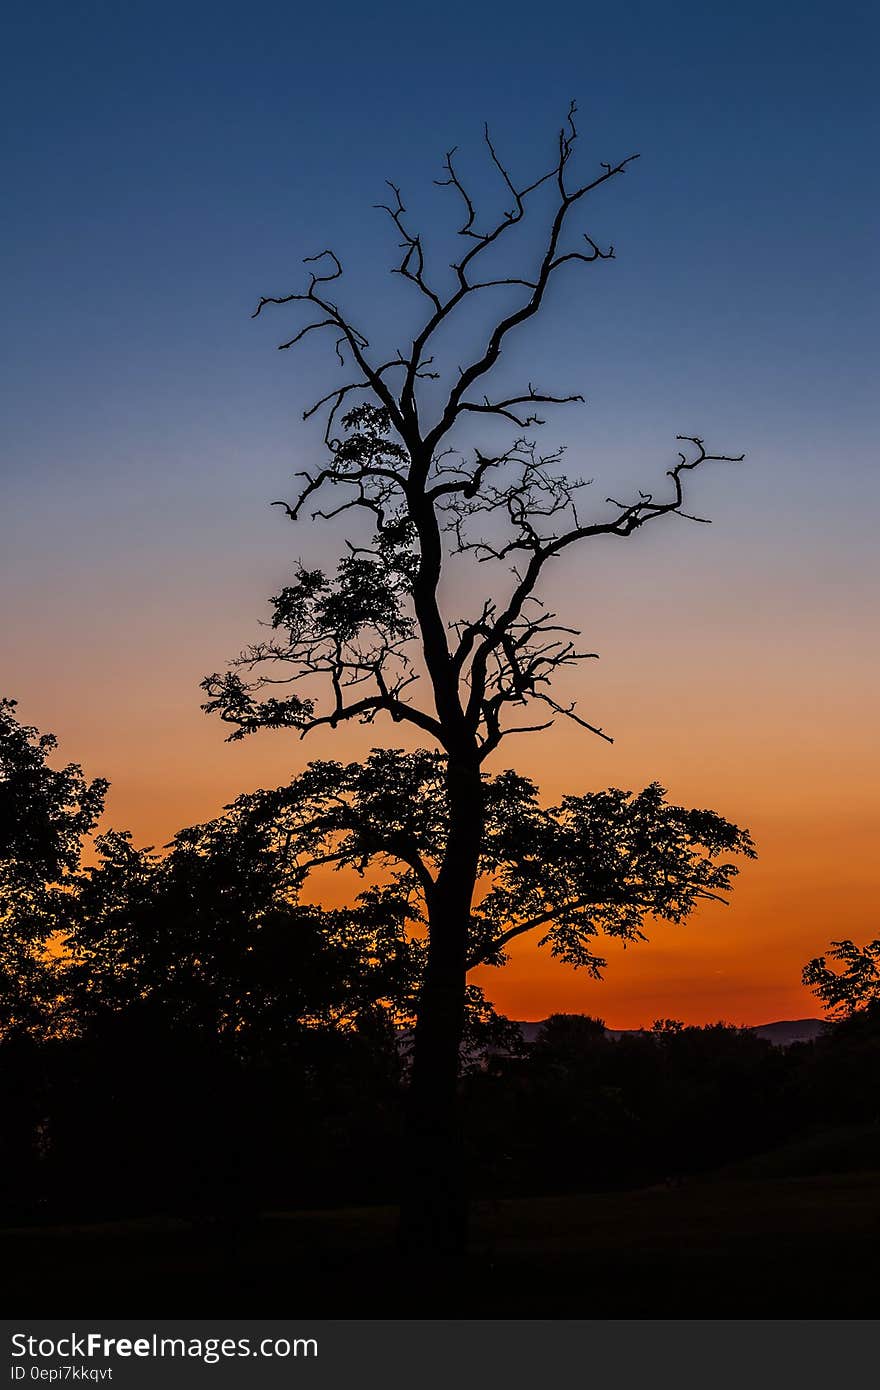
(741, 963)
(742, 716)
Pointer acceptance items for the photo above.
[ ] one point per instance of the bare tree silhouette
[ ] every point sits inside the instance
(357, 645)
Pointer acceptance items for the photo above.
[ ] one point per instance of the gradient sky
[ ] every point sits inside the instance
(165, 165)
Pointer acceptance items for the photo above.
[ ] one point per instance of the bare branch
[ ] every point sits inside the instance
(569, 712)
(504, 408)
(412, 266)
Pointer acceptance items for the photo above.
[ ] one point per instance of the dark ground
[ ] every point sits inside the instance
(764, 1247)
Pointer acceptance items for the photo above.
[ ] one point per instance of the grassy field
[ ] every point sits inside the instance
(793, 1247)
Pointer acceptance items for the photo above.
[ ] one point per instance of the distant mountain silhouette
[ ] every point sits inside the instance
(781, 1034)
(790, 1031)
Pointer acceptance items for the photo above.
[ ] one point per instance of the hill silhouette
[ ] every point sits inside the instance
(782, 1033)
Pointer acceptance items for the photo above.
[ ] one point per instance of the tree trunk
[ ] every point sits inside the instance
(434, 1211)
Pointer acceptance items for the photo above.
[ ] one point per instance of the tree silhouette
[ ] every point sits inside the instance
(45, 813)
(211, 936)
(854, 987)
(360, 643)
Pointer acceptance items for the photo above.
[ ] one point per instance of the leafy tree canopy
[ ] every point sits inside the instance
(852, 988)
(45, 814)
(600, 862)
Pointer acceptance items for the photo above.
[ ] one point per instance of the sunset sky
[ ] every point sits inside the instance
(168, 164)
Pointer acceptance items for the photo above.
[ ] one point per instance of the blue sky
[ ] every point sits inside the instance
(167, 164)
